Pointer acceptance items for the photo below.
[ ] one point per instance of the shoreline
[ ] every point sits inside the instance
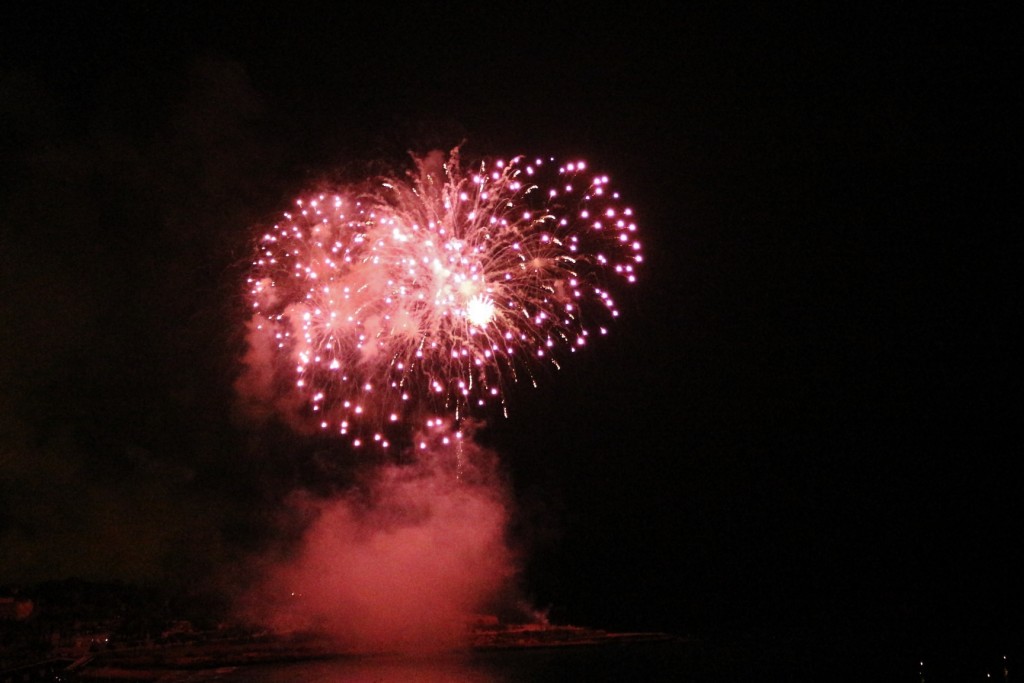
(165, 663)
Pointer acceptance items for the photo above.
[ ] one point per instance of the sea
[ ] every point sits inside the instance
(669, 660)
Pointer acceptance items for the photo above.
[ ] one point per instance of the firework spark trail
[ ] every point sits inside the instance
(411, 302)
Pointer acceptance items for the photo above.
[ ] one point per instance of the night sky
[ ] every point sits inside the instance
(805, 417)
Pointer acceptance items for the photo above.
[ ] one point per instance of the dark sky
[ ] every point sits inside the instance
(806, 416)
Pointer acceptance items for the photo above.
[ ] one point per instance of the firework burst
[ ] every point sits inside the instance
(412, 302)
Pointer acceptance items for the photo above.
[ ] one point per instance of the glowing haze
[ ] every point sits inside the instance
(393, 304)
(402, 563)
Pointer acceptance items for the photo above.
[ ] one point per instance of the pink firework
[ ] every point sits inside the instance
(413, 302)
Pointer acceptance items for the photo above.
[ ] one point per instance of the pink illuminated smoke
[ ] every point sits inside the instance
(404, 563)
(391, 314)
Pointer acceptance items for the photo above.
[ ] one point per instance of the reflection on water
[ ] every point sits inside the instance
(451, 669)
(652, 662)
(634, 662)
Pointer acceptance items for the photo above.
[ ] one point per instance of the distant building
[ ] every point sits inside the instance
(15, 609)
(483, 621)
(177, 629)
(86, 642)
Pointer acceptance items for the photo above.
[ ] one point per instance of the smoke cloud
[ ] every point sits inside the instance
(405, 561)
